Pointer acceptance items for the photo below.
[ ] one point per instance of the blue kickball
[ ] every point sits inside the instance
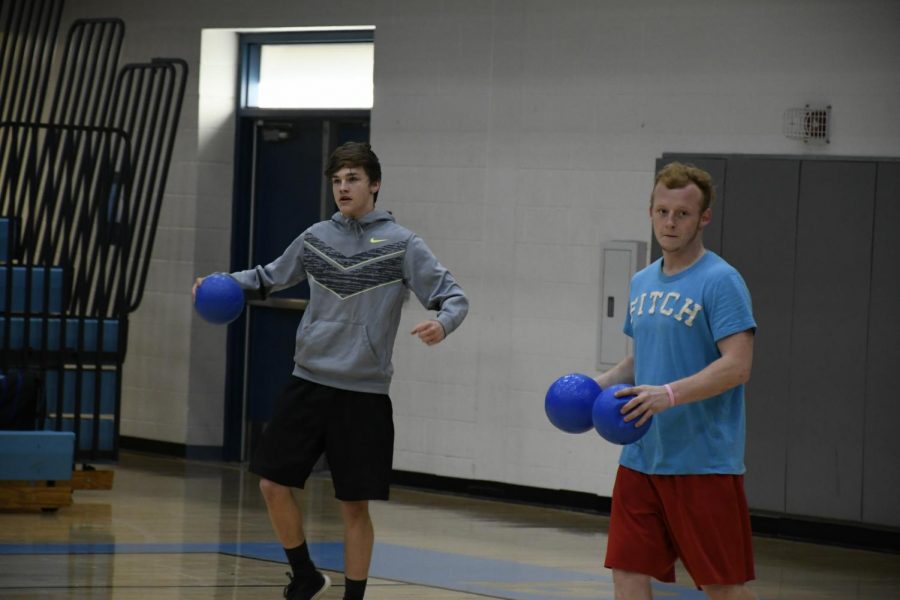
(569, 401)
(219, 299)
(609, 421)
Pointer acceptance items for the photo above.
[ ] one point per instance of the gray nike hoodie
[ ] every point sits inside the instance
(358, 271)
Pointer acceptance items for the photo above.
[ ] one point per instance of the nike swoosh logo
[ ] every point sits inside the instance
(376, 241)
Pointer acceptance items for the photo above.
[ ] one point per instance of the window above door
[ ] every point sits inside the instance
(308, 70)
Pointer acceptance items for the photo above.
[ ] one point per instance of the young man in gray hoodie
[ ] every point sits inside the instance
(359, 264)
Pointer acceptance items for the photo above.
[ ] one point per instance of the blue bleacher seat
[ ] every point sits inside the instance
(36, 455)
(90, 333)
(106, 441)
(108, 380)
(7, 228)
(38, 274)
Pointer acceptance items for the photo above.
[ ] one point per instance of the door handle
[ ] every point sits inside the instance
(610, 306)
(287, 303)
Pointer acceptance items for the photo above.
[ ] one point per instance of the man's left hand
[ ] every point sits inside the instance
(648, 400)
(431, 331)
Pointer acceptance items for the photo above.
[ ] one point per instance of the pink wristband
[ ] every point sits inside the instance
(671, 395)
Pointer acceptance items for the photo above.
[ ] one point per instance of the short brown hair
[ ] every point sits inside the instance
(676, 175)
(355, 154)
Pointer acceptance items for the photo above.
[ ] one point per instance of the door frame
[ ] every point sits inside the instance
(234, 418)
(241, 242)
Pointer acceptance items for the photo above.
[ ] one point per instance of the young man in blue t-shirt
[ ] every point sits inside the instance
(679, 489)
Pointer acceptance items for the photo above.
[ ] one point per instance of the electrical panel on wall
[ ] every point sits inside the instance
(619, 261)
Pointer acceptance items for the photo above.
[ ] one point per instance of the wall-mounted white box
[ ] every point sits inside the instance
(618, 262)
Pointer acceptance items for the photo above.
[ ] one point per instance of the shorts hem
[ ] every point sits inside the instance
(276, 478)
(363, 497)
(666, 578)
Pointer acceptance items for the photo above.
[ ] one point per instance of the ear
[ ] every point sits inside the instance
(374, 186)
(705, 217)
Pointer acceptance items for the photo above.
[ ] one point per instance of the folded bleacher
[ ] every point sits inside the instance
(83, 165)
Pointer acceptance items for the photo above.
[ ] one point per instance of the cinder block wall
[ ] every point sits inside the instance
(517, 137)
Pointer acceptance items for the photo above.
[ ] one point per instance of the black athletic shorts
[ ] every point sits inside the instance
(355, 430)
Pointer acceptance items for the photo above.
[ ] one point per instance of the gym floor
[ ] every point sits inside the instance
(172, 528)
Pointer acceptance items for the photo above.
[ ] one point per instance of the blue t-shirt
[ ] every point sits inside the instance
(675, 323)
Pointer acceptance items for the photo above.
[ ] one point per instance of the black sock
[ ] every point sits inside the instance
(355, 589)
(301, 564)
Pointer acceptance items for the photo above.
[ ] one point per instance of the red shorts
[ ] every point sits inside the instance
(701, 519)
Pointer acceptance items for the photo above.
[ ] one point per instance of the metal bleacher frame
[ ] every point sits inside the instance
(82, 179)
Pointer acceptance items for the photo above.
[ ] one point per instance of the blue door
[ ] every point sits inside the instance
(288, 193)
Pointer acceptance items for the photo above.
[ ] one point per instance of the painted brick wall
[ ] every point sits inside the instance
(516, 137)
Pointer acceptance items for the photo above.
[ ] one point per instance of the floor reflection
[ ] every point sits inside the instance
(188, 529)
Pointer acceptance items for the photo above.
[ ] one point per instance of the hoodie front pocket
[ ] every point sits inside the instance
(339, 350)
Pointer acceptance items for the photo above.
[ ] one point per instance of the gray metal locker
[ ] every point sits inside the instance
(759, 235)
(881, 475)
(828, 343)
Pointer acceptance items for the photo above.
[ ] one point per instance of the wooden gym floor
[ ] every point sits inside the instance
(186, 529)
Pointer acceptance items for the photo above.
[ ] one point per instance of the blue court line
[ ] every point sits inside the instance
(493, 577)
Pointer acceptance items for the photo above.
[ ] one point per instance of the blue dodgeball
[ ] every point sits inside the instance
(569, 402)
(609, 422)
(219, 299)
